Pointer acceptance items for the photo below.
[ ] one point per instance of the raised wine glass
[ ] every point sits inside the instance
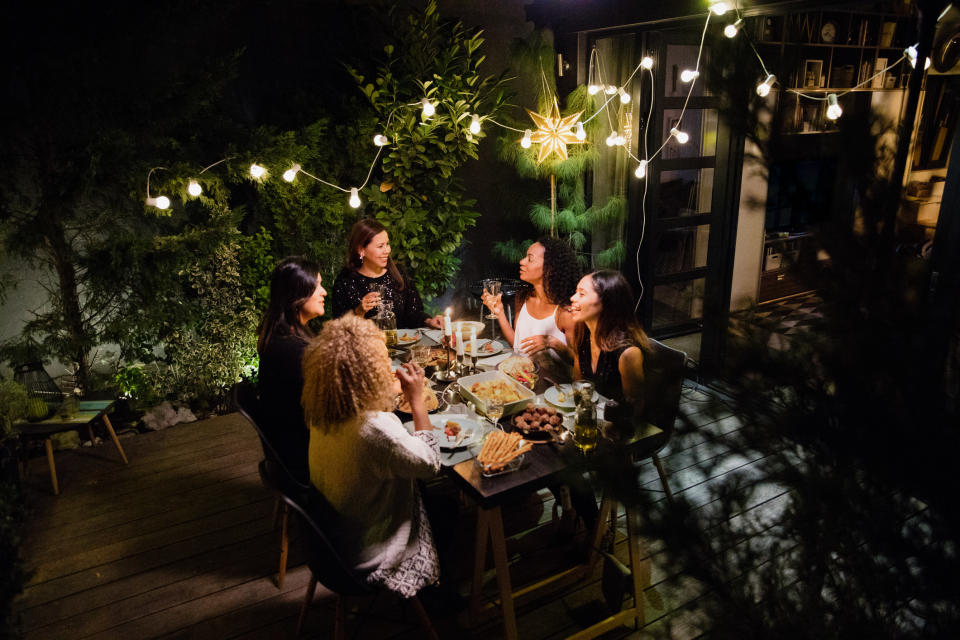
(493, 288)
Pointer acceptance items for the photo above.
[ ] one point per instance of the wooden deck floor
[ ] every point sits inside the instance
(180, 544)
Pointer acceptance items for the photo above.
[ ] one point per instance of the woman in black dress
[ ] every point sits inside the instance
(296, 297)
(608, 340)
(369, 266)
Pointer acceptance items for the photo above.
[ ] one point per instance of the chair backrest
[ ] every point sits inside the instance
(248, 403)
(326, 563)
(663, 369)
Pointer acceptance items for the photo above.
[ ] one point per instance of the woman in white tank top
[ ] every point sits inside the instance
(543, 320)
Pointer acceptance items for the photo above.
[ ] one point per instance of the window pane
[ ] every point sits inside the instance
(677, 302)
(685, 192)
(699, 124)
(682, 249)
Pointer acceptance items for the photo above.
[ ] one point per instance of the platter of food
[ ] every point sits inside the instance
(495, 385)
(430, 398)
(466, 326)
(539, 424)
(406, 337)
(484, 348)
(501, 453)
(520, 368)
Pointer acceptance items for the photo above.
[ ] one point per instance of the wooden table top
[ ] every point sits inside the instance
(87, 410)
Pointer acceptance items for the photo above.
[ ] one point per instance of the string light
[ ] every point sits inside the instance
(475, 124)
(624, 96)
(719, 8)
(681, 136)
(731, 30)
(291, 173)
(912, 56)
(161, 202)
(580, 133)
(688, 75)
(428, 110)
(525, 140)
(647, 63)
(763, 89)
(641, 169)
(619, 140)
(593, 89)
(257, 171)
(833, 108)
(611, 139)
(610, 90)
(354, 198)
(380, 140)
(194, 188)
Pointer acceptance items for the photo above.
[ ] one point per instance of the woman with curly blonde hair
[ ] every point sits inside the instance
(364, 461)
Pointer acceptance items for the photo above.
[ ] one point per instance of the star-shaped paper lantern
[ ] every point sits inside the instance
(553, 132)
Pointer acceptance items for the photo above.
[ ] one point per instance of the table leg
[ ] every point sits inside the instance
(113, 436)
(499, 545)
(639, 568)
(599, 530)
(479, 563)
(53, 468)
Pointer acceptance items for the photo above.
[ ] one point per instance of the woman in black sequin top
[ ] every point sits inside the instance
(608, 339)
(369, 264)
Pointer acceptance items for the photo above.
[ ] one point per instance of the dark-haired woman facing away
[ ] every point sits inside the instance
(608, 340)
(296, 297)
(368, 264)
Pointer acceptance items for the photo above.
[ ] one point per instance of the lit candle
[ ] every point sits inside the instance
(447, 326)
(459, 340)
(473, 342)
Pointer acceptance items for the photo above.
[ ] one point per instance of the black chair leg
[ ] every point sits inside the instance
(311, 590)
(424, 618)
(340, 620)
(663, 477)
(284, 546)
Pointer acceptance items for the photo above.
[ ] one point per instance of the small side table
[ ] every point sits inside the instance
(87, 414)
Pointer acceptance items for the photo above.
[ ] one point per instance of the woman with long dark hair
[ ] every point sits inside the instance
(542, 319)
(608, 339)
(296, 297)
(369, 270)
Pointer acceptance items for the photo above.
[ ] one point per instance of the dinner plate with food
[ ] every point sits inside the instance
(484, 348)
(406, 337)
(501, 453)
(520, 368)
(453, 431)
(539, 424)
(562, 396)
(431, 400)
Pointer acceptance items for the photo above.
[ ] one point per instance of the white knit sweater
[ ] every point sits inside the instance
(367, 470)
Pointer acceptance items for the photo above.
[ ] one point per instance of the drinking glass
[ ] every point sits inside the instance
(421, 354)
(494, 410)
(382, 289)
(585, 430)
(493, 288)
(387, 322)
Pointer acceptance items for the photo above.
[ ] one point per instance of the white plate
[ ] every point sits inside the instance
(465, 327)
(496, 348)
(526, 395)
(446, 442)
(406, 337)
(552, 395)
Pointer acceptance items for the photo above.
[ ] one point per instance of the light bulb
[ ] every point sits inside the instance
(834, 110)
(291, 173)
(428, 109)
(647, 62)
(611, 139)
(681, 136)
(688, 75)
(593, 89)
(731, 30)
(580, 133)
(475, 124)
(912, 55)
(610, 90)
(354, 198)
(194, 188)
(380, 140)
(619, 140)
(763, 89)
(525, 140)
(257, 171)
(641, 169)
(719, 8)
(160, 202)
(624, 96)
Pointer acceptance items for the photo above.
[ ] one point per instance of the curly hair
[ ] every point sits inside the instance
(346, 372)
(561, 272)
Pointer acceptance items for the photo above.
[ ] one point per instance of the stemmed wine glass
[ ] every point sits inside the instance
(493, 288)
(494, 411)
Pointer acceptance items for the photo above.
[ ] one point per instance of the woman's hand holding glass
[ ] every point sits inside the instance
(411, 380)
(368, 302)
(493, 302)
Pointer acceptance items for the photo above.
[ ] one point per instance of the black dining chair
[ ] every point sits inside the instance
(274, 474)
(663, 369)
(328, 568)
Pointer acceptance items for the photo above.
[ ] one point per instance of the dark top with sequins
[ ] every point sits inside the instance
(350, 287)
(607, 376)
(280, 382)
